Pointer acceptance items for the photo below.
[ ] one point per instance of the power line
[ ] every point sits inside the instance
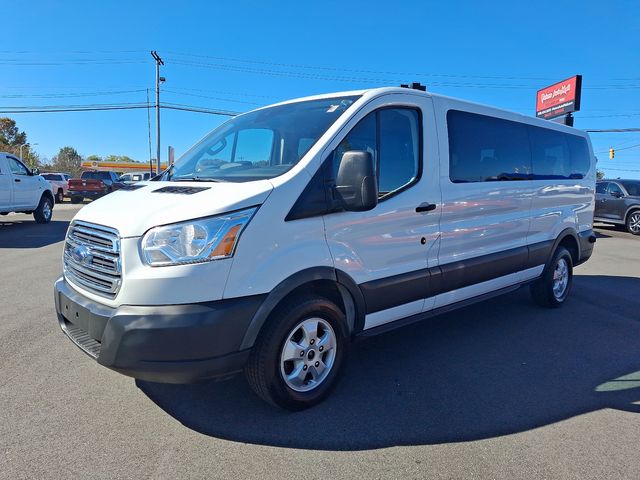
(72, 95)
(107, 107)
(612, 130)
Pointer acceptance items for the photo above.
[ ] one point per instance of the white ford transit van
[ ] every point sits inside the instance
(293, 229)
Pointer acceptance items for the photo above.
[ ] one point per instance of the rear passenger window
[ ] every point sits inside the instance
(558, 155)
(392, 136)
(486, 149)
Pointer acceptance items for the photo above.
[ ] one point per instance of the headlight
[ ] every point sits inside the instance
(195, 241)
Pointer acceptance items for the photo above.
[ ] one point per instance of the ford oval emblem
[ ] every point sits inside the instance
(81, 254)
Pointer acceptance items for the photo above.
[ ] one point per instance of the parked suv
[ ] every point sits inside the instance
(59, 184)
(618, 202)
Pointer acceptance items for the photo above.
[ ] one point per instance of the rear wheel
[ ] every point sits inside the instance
(43, 213)
(296, 360)
(76, 199)
(59, 196)
(552, 289)
(633, 222)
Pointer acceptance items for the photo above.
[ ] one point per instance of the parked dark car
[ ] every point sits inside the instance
(618, 202)
(93, 185)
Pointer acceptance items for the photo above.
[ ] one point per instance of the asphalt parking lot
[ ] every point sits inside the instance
(503, 389)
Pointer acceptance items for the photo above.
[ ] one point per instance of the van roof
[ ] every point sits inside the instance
(371, 93)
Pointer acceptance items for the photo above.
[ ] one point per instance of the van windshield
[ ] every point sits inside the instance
(260, 144)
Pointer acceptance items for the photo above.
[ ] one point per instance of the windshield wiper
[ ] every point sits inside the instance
(195, 179)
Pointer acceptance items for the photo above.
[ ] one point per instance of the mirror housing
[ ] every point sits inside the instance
(356, 183)
(35, 171)
(617, 194)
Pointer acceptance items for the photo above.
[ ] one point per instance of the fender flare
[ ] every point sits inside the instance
(567, 232)
(288, 285)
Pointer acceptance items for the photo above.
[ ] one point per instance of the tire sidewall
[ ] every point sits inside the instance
(278, 389)
(561, 253)
(39, 213)
(628, 223)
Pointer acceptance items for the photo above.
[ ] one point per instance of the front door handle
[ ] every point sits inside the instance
(16, 179)
(426, 207)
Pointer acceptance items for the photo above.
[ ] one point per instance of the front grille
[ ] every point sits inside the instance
(92, 258)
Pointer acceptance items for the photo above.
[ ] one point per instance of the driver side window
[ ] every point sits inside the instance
(392, 137)
(614, 189)
(17, 168)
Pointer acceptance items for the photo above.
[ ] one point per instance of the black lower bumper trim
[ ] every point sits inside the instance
(165, 343)
(587, 240)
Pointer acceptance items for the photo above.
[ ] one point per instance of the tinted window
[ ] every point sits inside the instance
(392, 137)
(97, 175)
(557, 155)
(580, 158)
(614, 189)
(601, 187)
(486, 149)
(52, 176)
(632, 187)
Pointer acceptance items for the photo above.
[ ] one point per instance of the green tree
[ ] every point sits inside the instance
(68, 160)
(94, 158)
(10, 136)
(118, 158)
(599, 174)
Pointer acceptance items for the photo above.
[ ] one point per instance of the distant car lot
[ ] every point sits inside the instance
(501, 389)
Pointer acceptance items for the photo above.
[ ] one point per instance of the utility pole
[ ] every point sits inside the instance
(159, 79)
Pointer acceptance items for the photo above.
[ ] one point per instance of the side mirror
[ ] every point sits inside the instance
(356, 182)
(35, 171)
(616, 194)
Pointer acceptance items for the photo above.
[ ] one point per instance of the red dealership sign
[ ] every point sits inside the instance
(559, 99)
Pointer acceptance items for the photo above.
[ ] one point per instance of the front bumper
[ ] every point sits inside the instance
(164, 343)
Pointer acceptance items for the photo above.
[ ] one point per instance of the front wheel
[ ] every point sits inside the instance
(552, 289)
(60, 196)
(296, 360)
(43, 213)
(633, 222)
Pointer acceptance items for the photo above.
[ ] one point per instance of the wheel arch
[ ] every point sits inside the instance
(47, 193)
(568, 239)
(325, 281)
(630, 210)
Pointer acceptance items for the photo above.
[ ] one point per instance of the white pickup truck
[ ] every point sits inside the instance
(21, 190)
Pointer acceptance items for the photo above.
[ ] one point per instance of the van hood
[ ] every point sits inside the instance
(136, 208)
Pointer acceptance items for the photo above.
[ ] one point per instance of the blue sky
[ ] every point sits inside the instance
(240, 55)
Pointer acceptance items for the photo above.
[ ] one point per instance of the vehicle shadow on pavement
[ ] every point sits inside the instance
(29, 234)
(495, 368)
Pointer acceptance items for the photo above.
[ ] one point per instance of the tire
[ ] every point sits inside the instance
(43, 213)
(633, 222)
(552, 289)
(307, 325)
(59, 196)
(76, 199)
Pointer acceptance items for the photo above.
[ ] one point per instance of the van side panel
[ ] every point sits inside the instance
(559, 205)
